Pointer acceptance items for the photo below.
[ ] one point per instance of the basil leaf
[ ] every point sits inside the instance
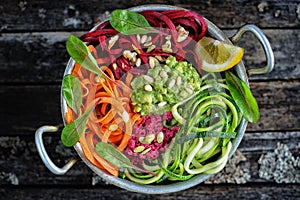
(243, 97)
(128, 22)
(109, 153)
(72, 92)
(73, 131)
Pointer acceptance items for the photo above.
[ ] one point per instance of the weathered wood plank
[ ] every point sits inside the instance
(57, 15)
(42, 57)
(20, 163)
(279, 103)
(22, 110)
(228, 192)
(37, 57)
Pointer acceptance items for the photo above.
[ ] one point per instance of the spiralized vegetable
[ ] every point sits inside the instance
(207, 119)
(113, 118)
(166, 21)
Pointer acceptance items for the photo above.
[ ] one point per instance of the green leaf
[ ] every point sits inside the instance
(243, 97)
(81, 54)
(109, 153)
(73, 131)
(72, 92)
(128, 22)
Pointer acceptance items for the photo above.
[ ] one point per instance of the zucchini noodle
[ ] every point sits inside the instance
(208, 119)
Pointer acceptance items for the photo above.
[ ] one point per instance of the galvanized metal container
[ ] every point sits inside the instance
(241, 71)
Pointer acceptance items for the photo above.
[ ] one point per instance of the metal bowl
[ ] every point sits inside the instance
(241, 71)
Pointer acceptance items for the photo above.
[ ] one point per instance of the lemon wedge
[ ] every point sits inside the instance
(218, 56)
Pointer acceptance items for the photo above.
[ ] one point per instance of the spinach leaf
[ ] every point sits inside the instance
(73, 131)
(243, 97)
(72, 92)
(128, 22)
(109, 153)
(81, 54)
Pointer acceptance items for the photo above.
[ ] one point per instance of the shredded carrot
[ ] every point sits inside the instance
(113, 118)
(69, 116)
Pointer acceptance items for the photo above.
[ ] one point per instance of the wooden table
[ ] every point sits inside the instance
(32, 62)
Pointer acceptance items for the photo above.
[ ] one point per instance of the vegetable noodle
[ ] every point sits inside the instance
(166, 119)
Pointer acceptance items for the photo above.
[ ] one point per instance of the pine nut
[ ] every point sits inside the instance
(125, 116)
(143, 39)
(141, 139)
(138, 62)
(182, 33)
(190, 91)
(146, 151)
(148, 78)
(148, 88)
(167, 50)
(126, 53)
(163, 74)
(160, 137)
(136, 49)
(147, 44)
(112, 41)
(99, 79)
(115, 66)
(151, 48)
(149, 138)
(159, 58)
(138, 37)
(113, 127)
(162, 104)
(171, 84)
(149, 39)
(139, 149)
(168, 37)
(178, 81)
(151, 62)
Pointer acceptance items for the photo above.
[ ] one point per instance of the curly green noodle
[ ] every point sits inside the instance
(208, 120)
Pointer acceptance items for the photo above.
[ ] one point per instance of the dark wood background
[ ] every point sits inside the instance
(32, 62)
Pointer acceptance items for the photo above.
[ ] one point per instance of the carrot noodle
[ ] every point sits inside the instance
(106, 124)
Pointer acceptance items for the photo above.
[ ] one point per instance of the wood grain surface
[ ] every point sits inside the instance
(32, 62)
(59, 15)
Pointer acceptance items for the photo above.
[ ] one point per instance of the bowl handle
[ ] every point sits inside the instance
(265, 44)
(44, 155)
